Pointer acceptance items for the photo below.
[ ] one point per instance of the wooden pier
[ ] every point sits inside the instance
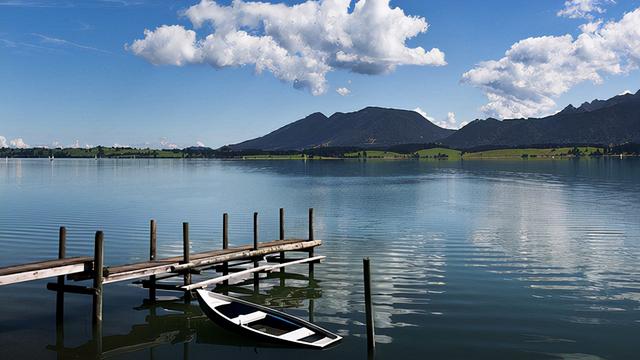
(151, 273)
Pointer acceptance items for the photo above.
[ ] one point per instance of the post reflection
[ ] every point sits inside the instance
(175, 321)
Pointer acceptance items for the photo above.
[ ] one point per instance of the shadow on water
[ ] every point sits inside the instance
(174, 320)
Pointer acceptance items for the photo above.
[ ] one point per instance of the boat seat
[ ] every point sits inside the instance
(323, 342)
(297, 334)
(249, 318)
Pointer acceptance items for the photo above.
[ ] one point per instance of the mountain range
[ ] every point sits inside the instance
(600, 122)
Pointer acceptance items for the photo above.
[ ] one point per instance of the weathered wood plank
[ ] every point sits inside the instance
(43, 265)
(135, 271)
(42, 273)
(151, 268)
(264, 268)
(239, 255)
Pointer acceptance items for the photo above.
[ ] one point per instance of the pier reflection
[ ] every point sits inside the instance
(172, 321)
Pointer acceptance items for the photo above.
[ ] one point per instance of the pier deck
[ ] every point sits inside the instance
(220, 260)
(44, 269)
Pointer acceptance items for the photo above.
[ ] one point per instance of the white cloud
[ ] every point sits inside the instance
(18, 143)
(3, 142)
(583, 9)
(449, 123)
(424, 114)
(166, 144)
(298, 44)
(626, 92)
(75, 145)
(200, 144)
(343, 91)
(537, 70)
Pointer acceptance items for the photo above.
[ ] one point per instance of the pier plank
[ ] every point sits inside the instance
(44, 269)
(172, 264)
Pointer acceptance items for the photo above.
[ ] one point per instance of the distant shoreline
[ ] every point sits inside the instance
(399, 153)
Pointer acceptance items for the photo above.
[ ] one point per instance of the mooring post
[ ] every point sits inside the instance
(256, 276)
(62, 252)
(282, 253)
(152, 257)
(225, 244)
(311, 238)
(371, 341)
(186, 256)
(98, 268)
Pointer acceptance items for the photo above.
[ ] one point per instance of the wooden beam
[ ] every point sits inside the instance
(261, 252)
(43, 269)
(264, 268)
(163, 266)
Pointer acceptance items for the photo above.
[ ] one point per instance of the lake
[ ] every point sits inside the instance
(522, 259)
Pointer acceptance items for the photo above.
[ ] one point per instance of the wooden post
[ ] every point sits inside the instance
(62, 252)
(152, 257)
(310, 224)
(256, 276)
(371, 341)
(225, 243)
(311, 252)
(186, 256)
(281, 223)
(98, 268)
(282, 253)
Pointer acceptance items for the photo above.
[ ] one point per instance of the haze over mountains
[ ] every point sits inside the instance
(601, 122)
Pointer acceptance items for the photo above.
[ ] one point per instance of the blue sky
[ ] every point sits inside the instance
(67, 75)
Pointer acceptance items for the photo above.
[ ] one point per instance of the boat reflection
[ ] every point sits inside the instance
(179, 320)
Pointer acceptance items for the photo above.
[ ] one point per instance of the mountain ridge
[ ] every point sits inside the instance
(605, 122)
(368, 127)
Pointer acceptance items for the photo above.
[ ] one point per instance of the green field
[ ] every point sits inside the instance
(286, 157)
(376, 154)
(439, 153)
(546, 153)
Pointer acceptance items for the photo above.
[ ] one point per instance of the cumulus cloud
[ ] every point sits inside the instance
(343, 91)
(537, 70)
(200, 144)
(18, 143)
(298, 44)
(449, 123)
(583, 9)
(3, 142)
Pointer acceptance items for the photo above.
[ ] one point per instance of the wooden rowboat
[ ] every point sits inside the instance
(263, 322)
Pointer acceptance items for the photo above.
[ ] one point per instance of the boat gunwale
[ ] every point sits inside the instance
(335, 338)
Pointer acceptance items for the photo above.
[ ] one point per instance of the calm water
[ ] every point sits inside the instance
(485, 260)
